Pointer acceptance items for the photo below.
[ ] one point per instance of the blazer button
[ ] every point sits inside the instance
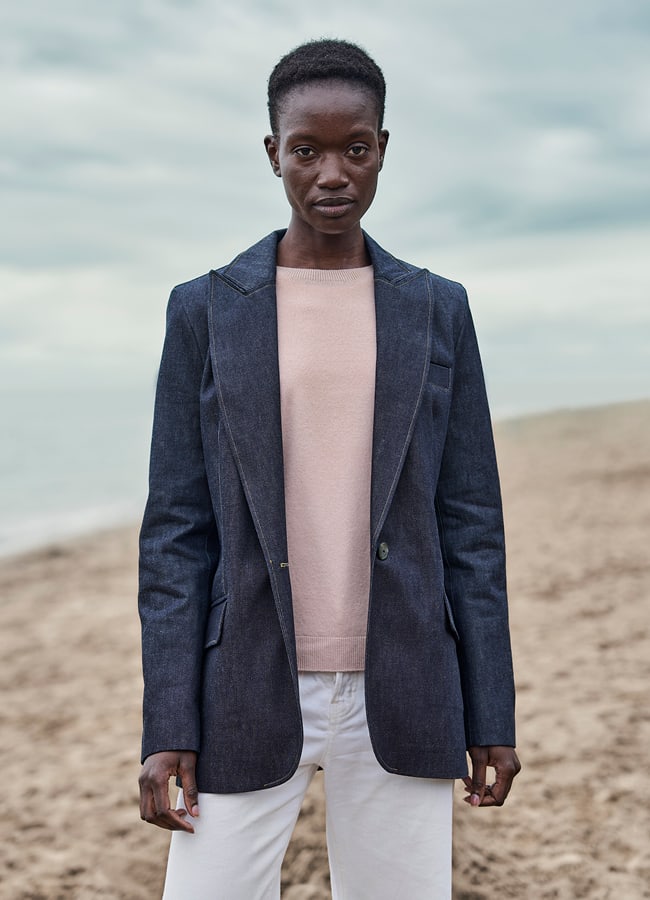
(382, 550)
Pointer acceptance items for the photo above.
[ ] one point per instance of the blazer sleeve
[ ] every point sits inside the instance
(470, 522)
(179, 545)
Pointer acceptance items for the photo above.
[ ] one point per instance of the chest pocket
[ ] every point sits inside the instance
(439, 376)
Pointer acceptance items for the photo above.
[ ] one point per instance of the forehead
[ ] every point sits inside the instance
(331, 102)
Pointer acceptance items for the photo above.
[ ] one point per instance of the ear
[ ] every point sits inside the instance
(383, 141)
(273, 153)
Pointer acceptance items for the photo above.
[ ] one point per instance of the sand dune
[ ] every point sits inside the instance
(577, 498)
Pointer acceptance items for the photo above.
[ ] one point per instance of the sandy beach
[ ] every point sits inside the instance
(576, 488)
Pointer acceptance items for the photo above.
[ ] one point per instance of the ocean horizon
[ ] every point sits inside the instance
(75, 460)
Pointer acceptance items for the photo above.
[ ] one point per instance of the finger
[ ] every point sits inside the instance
(155, 807)
(170, 819)
(487, 800)
(147, 805)
(488, 797)
(174, 820)
(469, 784)
(479, 773)
(187, 773)
(166, 817)
(503, 782)
(159, 783)
(147, 811)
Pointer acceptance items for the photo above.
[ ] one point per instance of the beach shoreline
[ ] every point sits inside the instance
(576, 488)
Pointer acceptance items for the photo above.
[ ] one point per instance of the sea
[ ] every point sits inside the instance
(72, 460)
(75, 460)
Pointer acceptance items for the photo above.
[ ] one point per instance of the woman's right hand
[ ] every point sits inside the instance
(154, 789)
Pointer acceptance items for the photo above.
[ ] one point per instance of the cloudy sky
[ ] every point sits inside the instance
(131, 159)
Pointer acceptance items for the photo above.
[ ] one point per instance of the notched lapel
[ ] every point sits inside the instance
(404, 317)
(244, 349)
(243, 346)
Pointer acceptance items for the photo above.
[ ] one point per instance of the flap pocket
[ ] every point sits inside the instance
(439, 375)
(450, 619)
(214, 628)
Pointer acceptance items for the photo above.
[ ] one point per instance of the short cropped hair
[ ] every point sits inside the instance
(323, 60)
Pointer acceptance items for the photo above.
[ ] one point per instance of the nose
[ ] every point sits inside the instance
(332, 173)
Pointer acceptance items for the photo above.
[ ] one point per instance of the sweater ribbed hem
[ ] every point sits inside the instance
(331, 654)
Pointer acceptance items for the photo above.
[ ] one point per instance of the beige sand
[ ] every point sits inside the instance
(577, 495)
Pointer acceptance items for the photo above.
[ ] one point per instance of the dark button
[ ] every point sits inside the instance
(382, 550)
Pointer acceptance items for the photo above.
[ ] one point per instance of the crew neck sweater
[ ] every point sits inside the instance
(327, 351)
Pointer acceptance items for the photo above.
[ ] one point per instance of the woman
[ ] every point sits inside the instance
(322, 562)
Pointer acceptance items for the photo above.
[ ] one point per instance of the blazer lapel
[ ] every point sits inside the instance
(403, 306)
(244, 351)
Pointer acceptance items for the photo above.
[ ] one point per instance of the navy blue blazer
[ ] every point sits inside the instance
(218, 642)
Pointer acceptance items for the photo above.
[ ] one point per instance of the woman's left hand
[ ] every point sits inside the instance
(506, 765)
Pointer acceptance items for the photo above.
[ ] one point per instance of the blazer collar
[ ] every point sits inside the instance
(255, 267)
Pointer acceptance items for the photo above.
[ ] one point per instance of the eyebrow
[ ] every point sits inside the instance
(355, 135)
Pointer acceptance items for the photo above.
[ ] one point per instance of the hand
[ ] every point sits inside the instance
(154, 789)
(506, 765)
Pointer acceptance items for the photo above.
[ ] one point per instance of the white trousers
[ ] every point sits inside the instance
(388, 836)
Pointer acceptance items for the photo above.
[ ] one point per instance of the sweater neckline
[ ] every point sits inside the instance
(324, 276)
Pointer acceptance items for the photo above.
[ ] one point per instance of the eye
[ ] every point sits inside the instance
(358, 150)
(304, 152)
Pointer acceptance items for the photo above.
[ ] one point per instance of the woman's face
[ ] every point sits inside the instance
(328, 152)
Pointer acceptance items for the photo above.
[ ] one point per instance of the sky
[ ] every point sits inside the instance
(132, 159)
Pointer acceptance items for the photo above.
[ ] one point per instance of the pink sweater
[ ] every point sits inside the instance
(327, 353)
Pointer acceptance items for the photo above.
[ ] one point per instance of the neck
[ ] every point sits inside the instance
(323, 251)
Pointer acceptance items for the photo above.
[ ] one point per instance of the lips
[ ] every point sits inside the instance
(333, 206)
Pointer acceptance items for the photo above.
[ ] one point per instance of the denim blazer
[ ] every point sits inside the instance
(219, 654)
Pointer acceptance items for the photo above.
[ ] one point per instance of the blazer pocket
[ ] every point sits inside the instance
(450, 619)
(214, 628)
(440, 376)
